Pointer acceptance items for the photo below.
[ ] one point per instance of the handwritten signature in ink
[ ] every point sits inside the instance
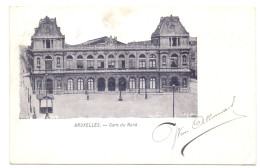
(197, 123)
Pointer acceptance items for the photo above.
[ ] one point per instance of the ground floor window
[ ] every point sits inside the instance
(70, 84)
(90, 84)
(152, 83)
(80, 84)
(142, 83)
(132, 83)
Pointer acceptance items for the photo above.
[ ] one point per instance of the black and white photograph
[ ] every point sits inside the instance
(105, 77)
(132, 84)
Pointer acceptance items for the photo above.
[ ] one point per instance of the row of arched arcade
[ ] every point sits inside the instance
(100, 84)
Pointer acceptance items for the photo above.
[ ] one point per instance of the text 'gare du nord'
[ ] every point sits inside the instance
(106, 64)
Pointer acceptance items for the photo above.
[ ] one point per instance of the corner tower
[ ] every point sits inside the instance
(169, 33)
(47, 35)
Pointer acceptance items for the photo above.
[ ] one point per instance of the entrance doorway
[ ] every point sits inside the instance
(49, 86)
(101, 84)
(111, 84)
(122, 84)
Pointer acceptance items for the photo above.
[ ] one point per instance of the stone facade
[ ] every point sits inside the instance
(106, 64)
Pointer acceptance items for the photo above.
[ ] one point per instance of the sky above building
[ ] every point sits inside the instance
(80, 24)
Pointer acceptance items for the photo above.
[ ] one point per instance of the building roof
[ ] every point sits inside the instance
(102, 40)
(170, 25)
(140, 43)
(47, 29)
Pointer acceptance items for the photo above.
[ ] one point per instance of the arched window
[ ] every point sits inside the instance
(100, 62)
(152, 56)
(142, 56)
(184, 59)
(152, 61)
(80, 84)
(100, 57)
(131, 56)
(132, 62)
(80, 62)
(48, 57)
(48, 62)
(121, 61)
(90, 62)
(121, 56)
(69, 62)
(174, 60)
(90, 57)
(90, 84)
(38, 61)
(142, 83)
(70, 84)
(132, 83)
(111, 61)
(69, 57)
(164, 60)
(142, 61)
(111, 56)
(80, 57)
(184, 82)
(58, 61)
(152, 83)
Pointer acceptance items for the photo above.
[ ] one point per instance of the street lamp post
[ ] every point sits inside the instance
(145, 96)
(47, 113)
(120, 94)
(173, 88)
(87, 94)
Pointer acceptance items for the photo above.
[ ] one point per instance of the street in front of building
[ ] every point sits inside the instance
(133, 105)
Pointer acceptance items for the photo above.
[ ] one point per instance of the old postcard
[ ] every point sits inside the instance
(132, 85)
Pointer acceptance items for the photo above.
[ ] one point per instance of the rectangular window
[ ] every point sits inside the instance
(80, 64)
(164, 60)
(69, 64)
(90, 64)
(111, 64)
(142, 64)
(48, 44)
(121, 64)
(152, 63)
(131, 63)
(100, 64)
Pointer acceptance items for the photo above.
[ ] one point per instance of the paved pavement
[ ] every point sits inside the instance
(133, 105)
